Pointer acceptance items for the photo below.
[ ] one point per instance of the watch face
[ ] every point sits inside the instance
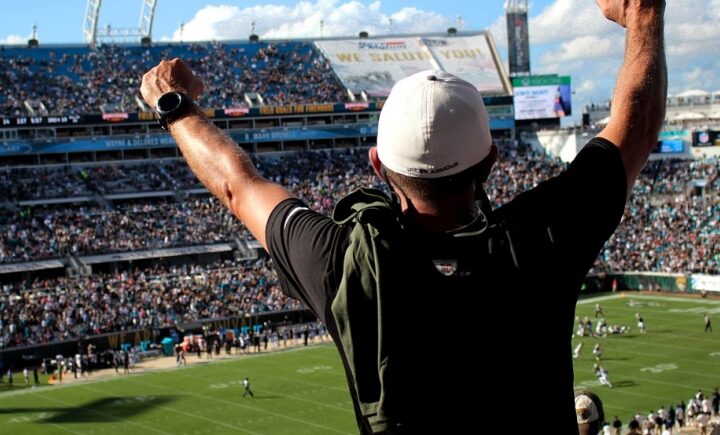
(169, 102)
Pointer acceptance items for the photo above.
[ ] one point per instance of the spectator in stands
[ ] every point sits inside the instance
(634, 427)
(589, 412)
(378, 264)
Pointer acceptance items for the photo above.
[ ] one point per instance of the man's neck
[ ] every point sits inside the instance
(440, 216)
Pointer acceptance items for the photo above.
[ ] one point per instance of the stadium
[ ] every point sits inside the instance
(132, 300)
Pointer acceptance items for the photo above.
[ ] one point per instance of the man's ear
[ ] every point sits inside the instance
(487, 165)
(376, 163)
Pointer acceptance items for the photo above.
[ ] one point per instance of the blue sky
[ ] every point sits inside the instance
(569, 37)
(61, 21)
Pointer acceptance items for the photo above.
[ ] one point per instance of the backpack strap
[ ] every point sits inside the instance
(358, 307)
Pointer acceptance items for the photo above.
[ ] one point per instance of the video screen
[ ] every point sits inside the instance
(542, 97)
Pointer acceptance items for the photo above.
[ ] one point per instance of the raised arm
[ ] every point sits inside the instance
(638, 105)
(220, 164)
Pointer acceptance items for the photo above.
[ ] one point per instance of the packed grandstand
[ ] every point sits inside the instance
(103, 228)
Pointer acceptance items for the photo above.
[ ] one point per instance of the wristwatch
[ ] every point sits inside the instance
(170, 106)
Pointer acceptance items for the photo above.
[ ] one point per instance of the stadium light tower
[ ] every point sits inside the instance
(141, 33)
(516, 15)
(92, 13)
(147, 15)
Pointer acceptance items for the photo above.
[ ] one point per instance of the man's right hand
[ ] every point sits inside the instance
(169, 76)
(215, 158)
(617, 10)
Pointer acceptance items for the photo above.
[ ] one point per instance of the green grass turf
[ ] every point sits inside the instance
(661, 367)
(296, 392)
(304, 391)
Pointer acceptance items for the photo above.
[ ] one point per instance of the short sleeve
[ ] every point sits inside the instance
(575, 212)
(306, 247)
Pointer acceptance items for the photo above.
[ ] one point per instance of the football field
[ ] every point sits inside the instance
(661, 367)
(300, 391)
(303, 391)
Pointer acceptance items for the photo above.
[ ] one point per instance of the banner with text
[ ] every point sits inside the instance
(375, 65)
(470, 58)
(705, 283)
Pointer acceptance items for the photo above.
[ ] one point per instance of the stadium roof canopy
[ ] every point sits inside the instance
(687, 116)
(693, 93)
(604, 121)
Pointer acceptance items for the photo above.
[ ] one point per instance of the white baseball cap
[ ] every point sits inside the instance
(586, 410)
(433, 125)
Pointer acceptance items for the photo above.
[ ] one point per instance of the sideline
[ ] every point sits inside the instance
(157, 365)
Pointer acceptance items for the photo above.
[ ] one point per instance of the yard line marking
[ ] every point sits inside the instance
(632, 294)
(287, 395)
(621, 348)
(303, 382)
(690, 313)
(613, 363)
(108, 415)
(595, 299)
(204, 396)
(314, 384)
(620, 390)
(189, 414)
(55, 425)
(40, 420)
(620, 408)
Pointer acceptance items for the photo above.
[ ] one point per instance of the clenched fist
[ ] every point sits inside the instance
(617, 10)
(169, 76)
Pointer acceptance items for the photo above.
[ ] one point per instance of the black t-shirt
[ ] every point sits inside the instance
(471, 313)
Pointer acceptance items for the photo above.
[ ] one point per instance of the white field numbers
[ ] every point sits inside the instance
(313, 369)
(659, 368)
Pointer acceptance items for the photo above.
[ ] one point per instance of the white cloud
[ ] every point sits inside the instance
(586, 86)
(568, 37)
(589, 47)
(340, 18)
(14, 39)
(693, 75)
(696, 78)
(565, 20)
(499, 31)
(572, 37)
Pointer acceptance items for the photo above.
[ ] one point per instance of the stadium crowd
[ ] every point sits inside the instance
(23, 184)
(82, 81)
(47, 310)
(702, 412)
(55, 231)
(667, 227)
(661, 231)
